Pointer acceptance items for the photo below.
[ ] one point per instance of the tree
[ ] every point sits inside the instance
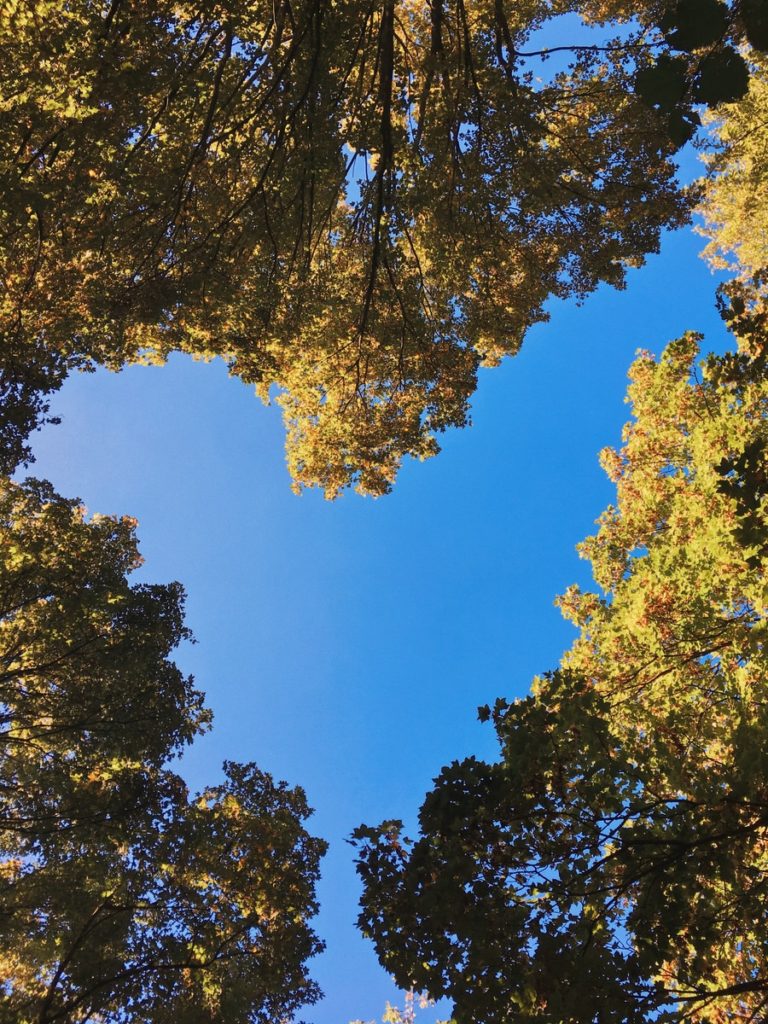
(394, 1015)
(120, 897)
(733, 205)
(191, 910)
(612, 865)
(710, 52)
(354, 204)
(27, 377)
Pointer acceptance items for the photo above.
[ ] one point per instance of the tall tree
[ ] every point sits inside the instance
(735, 219)
(734, 206)
(355, 204)
(120, 897)
(28, 376)
(612, 866)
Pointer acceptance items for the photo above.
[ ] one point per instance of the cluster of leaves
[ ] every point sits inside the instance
(733, 205)
(27, 377)
(120, 896)
(358, 204)
(394, 1015)
(701, 63)
(354, 204)
(745, 480)
(612, 866)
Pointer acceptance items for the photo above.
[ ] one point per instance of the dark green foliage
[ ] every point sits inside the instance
(745, 480)
(663, 84)
(27, 377)
(722, 78)
(754, 14)
(707, 69)
(691, 24)
(485, 909)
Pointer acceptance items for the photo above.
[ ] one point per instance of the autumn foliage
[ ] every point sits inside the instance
(119, 893)
(612, 864)
(353, 204)
(356, 205)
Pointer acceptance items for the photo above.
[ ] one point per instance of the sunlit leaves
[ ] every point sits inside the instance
(612, 865)
(353, 205)
(121, 897)
(733, 204)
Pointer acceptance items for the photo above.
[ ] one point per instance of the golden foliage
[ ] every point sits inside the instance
(735, 202)
(354, 205)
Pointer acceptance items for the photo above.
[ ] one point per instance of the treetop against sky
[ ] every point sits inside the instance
(612, 864)
(355, 204)
(358, 206)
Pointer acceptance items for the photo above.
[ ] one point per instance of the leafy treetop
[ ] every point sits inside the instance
(121, 897)
(353, 203)
(612, 865)
(733, 205)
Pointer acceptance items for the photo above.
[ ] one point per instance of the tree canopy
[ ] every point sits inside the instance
(612, 865)
(357, 204)
(28, 376)
(354, 204)
(122, 898)
(733, 205)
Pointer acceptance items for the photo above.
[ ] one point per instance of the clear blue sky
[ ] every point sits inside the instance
(345, 646)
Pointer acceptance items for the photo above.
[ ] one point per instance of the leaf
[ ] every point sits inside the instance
(681, 126)
(663, 84)
(615, 855)
(722, 78)
(754, 14)
(692, 24)
(121, 867)
(284, 197)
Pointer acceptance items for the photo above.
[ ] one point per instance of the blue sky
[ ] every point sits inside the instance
(345, 646)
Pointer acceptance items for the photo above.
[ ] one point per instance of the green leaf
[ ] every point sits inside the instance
(691, 24)
(754, 14)
(723, 77)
